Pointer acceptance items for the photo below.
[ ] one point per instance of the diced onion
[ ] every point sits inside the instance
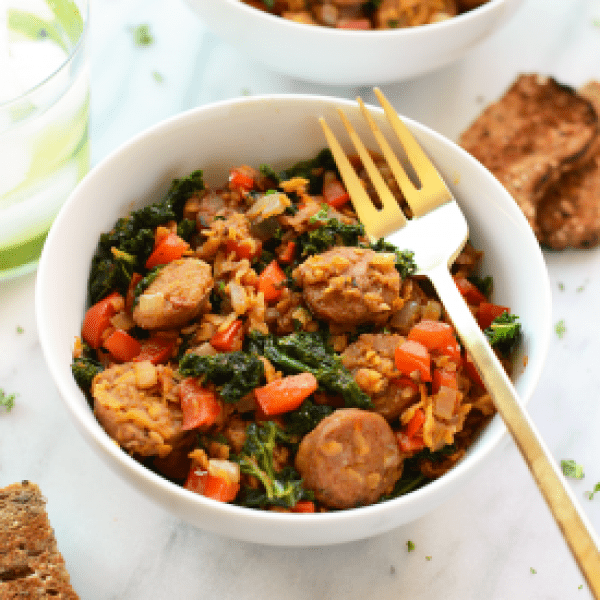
(224, 469)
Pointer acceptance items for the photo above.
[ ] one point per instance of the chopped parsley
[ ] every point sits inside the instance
(571, 469)
(410, 545)
(560, 328)
(20, 329)
(590, 495)
(532, 570)
(7, 400)
(142, 35)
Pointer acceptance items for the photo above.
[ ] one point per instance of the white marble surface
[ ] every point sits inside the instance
(487, 541)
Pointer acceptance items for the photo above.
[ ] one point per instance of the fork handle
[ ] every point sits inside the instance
(569, 516)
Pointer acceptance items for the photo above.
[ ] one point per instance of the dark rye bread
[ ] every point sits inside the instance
(534, 134)
(31, 567)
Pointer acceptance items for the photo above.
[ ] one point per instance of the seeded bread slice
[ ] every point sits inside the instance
(569, 212)
(30, 564)
(534, 134)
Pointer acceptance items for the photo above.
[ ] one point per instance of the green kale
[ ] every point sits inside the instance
(185, 229)
(504, 333)
(85, 368)
(235, 374)
(313, 170)
(405, 259)
(125, 249)
(483, 284)
(331, 232)
(279, 488)
(309, 352)
(306, 417)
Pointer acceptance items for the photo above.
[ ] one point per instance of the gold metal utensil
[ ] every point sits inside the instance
(436, 234)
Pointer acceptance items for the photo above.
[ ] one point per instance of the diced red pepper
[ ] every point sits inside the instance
(285, 394)
(335, 194)
(412, 356)
(122, 346)
(156, 349)
(415, 423)
(226, 340)
(304, 506)
(170, 247)
(97, 318)
(200, 407)
(271, 280)
(470, 292)
(408, 444)
(211, 486)
(432, 334)
(487, 312)
(244, 248)
(240, 180)
(287, 256)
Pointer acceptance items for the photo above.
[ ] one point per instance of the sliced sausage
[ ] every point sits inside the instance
(350, 459)
(138, 406)
(371, 361)
(349, 286)
(176, 296)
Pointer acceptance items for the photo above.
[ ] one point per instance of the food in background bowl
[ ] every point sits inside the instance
(250, 343)
(357, 14)
(276, 131)
(343, 56)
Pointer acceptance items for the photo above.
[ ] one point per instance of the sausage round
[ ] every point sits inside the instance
(138, 406)
(349, 286)
(350, 459)
(176, 296)
(371, 361)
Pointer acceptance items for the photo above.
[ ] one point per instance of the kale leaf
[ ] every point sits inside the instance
(279, 488)
(309, 352)
(125, 249)
(313, 170)
(405, 259)
(331, 232)
(235, 374)
(85, 368)
(305, 418)
(504, 333)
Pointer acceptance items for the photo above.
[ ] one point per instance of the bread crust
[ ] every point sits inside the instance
(31, 565)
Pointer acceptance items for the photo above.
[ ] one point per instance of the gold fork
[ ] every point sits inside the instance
(436, 234)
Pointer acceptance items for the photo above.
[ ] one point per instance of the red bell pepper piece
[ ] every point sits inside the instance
(156, 349)
(212, 486)
(170, 247)
(97, 318)
(122, 346)
(412, 356)
(225, 340)
(470, 292)
(487, 312)
(244, 248)
(443, 377)
(200, 406)
(335, 194)
(432, 334)
(287, 256)
(285, 394)
(271, 280)
(240, 180)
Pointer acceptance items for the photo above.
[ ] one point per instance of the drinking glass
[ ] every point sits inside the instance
(44, 110)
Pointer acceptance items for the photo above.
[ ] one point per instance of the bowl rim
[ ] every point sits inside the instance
(125, 464)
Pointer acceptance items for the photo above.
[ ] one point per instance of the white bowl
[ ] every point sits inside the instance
(346, 57)
(275, 130)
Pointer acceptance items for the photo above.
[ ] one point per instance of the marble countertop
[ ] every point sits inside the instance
(496, 538)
